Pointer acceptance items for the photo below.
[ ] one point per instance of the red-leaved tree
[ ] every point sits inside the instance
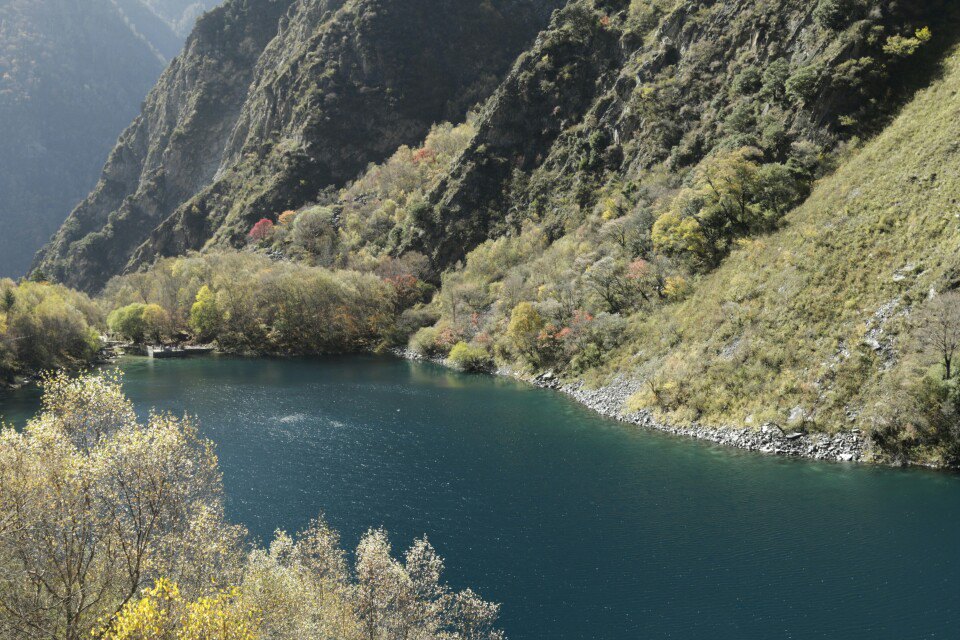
(261, 231)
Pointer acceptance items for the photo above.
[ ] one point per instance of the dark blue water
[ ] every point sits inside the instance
(581, 527)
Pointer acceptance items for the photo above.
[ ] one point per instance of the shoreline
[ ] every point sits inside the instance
(851, 446)
(609, 401)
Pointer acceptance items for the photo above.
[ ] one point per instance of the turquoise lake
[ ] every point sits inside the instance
(582, 527)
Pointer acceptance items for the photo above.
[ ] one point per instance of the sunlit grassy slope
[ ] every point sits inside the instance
(813, 320)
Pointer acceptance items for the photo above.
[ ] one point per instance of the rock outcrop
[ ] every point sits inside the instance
(269, 107)
(610, 92)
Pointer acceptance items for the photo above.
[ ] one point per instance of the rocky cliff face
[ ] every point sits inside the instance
(296, 104)
(72, 75)
(171, 150)
(615, 90)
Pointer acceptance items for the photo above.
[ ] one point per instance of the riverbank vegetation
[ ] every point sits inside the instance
(114, 528)
(45, 326)
(249, 303)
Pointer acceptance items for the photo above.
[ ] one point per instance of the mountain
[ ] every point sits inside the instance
(609, 98)
(261, 114)
(726, 208)
(155, 31)
(180, 15)
(71, 75)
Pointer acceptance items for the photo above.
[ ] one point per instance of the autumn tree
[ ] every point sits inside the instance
(408, 600)
(128, 322)
(524, 328)
(315, 232)
(163, 613)
(157, 324)
(261, 231)
(94, 505)
(611, 281)
(204, 314)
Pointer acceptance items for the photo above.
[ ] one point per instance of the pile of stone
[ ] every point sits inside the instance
(611, 400)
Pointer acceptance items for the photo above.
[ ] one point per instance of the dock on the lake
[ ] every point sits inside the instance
(168, 351)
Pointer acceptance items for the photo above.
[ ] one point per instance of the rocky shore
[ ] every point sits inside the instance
(610, 401)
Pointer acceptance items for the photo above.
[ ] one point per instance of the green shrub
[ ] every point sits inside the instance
(836, 14)
(802, 85)
(903, 47)
(469, 357)
(424, 343)
(127, 322)
(747, 82)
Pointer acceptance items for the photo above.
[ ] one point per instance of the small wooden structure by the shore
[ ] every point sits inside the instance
(169, 351)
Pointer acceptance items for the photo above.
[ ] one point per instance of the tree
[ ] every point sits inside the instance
(731, 196)
(156, 323)
(802, 85)
(650, 277)
(261, 231)
(47, 326)
(286, 218)
(609, 279)
(940, 329)
(204, 314)
(315, 232)
(835, 14)
(9, 299)
(903, 47)
(128, 322)
(164, 614)
(94, 503)
(525, 325)
(407, 600)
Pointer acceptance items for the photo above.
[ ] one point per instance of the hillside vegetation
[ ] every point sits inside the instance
(45, 327)
(820, 324)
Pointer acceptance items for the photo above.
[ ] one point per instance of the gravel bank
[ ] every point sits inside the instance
(610, 400)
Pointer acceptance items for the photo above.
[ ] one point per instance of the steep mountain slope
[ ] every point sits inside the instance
(338, 87)
(172, 149)
(816, 325)
(616, 92)
(180, 15)
(71, 75)
(609, 257)
(632, 205)
(154, 30)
